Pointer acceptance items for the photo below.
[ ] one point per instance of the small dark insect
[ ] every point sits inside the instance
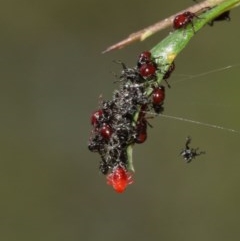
(225, 16)
(131, 74)
(190, 153)
(222, 17)
(168, 73)
(104, 167)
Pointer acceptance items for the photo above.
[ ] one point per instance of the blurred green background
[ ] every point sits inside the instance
(52, 74)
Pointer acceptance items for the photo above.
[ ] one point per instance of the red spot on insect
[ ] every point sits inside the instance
(119, 179)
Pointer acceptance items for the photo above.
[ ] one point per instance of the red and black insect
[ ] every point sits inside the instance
(141, 126)
(148, 70)
(144, 58)
(96, 117)
(158, 97)
(105, 131)
(141, 131)
(146, 65)
(168, 73)
(183, 19)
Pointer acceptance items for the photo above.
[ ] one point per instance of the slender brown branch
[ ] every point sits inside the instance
(167, 22)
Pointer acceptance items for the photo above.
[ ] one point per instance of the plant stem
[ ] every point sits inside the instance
(167, 22)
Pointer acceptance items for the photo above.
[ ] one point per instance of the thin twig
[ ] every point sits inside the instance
(167, 22)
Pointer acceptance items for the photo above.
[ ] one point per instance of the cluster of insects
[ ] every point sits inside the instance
(122, 121)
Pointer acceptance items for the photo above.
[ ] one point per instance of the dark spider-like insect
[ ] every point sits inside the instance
(131, 74)
(104, 167)
(190, 153)
(168, 73)
(225, 16)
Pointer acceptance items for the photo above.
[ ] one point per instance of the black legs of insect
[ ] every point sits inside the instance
(190, 153)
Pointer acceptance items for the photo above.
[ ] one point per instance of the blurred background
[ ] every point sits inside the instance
(52, 73)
